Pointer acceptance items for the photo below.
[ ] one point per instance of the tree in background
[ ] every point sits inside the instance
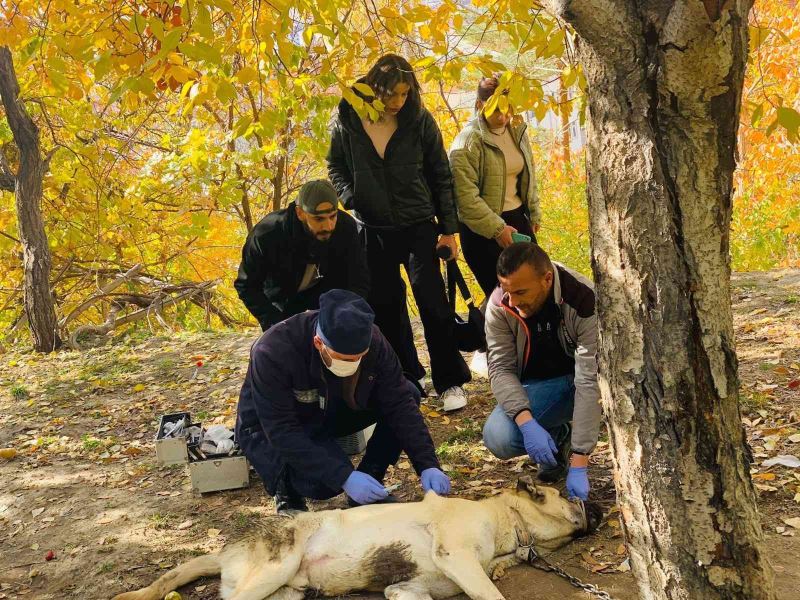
(26, 185)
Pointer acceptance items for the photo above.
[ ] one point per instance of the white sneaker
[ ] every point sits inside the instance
(479, 365)
(454, 398)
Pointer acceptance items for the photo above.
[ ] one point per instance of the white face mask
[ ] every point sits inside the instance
(342, 368)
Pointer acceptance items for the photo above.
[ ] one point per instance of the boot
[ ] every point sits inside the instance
(287, 500)
(562, 436)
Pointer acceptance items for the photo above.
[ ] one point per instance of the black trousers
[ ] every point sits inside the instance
(383, 449)
(482, 253)
(414, 247)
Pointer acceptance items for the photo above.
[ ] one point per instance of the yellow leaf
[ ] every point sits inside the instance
(433, 413)
(139, 387)
(8, 453)
(246, 74)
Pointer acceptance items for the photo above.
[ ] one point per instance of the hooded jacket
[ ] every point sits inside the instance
(508, 344)
(479, 176)
(410, 185)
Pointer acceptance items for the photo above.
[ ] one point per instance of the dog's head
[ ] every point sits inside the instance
(550, 520)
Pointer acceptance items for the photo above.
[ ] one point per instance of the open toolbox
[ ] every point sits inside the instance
(214, 459)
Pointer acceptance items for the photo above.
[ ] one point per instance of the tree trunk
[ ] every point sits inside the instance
(39, 305)
(664, 85)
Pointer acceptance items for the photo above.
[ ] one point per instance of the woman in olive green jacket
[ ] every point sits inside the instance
(495, 186)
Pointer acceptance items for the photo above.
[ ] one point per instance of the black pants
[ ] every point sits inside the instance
(383, 449)
(414, 247)
(482, 253)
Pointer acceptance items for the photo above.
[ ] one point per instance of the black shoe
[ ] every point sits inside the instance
(390, 499)
(287, 501)
(562, 436)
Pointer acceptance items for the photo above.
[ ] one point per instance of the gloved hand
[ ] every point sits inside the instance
(364, 488)
(538, 443)
(578, 483)
(434, 479)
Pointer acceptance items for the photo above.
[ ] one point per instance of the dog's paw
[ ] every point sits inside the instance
(498, 572)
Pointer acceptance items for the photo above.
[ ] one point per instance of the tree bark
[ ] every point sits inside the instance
(39, 303)
(664, 87)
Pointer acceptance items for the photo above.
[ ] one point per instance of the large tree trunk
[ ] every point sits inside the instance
(664, 84)
(39, 305)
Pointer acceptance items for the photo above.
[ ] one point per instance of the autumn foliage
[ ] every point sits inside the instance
(172, 127)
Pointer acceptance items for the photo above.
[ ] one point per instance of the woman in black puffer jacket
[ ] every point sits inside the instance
(394, 175)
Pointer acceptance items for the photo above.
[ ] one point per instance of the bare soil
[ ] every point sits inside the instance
(85, 485)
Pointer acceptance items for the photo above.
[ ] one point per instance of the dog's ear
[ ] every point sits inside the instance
(525, 484)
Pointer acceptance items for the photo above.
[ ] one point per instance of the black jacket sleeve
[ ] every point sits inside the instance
(339, 171)
(398, 403)
(358, 280)
(438, 175)
(275, 406)
(249, 283)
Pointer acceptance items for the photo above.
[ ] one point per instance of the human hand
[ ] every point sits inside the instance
(436, 480)
(504, 237)
(578, 483)
(538, 443)
(449, 242)
(364, 488)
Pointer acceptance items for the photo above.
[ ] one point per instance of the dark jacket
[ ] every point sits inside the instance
(411, 184)
(280, 399)
(274, 259)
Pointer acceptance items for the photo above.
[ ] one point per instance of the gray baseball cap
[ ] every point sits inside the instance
(316, 192)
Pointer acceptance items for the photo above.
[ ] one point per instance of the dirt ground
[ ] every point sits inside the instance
(85, 485)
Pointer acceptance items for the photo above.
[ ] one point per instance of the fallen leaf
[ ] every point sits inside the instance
(37, 511)
(139, 387)
(765, 488)
(621, 549)
(212, 533)
(433, 413)
(794, 384)
(764, 476)
(132, 451)
(785, 460)
(795, 439)
(186, 524)
(793, 522)
(8, 453)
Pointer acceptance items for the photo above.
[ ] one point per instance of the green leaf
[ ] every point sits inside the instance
(171, 40)
(757, 114)
(225, 5)
(758, 36)
(789, 119)
(364, 89)
(201, 51)
(225, 91)
(202, 23)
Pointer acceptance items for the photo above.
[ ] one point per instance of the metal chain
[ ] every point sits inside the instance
(540, 563)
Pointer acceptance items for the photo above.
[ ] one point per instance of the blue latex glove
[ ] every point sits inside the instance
(434, 479)
(364, 488)
(538, 443)
(578, 483)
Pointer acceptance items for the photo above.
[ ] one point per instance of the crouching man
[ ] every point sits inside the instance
(321, 375)
(541, 337)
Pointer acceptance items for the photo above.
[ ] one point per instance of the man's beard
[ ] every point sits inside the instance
(315, 236)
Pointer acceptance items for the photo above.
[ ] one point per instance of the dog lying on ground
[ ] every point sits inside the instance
(424, 550)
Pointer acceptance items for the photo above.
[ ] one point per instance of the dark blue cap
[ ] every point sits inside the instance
(345, 322)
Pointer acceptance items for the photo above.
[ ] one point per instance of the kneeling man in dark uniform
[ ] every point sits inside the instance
(324, 374)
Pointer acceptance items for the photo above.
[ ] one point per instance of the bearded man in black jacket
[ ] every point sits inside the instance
(295, 254)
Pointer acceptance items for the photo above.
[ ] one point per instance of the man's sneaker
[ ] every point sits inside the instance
(453, 398)
(562, 436)
(288, 501)
(479, 365)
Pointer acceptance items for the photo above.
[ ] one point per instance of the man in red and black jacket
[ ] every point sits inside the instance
(321, 375)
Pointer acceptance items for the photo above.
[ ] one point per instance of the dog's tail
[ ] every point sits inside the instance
(181, 575)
